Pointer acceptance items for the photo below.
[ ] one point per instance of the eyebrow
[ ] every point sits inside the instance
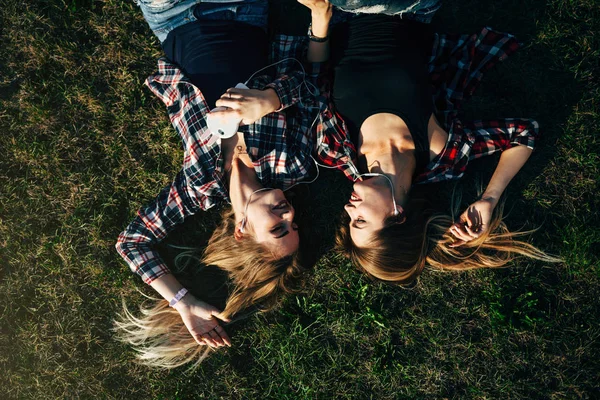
(282, 235)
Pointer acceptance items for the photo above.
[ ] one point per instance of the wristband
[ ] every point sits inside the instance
(314, 38)
(178, 297)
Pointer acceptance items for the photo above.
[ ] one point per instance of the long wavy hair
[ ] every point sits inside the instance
(399, 253)
(257, 277)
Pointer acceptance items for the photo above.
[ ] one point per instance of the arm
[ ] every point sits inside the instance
(320, 11)
(137, 246)
(516, 140)
(251, 105)
(475, 220)
(511, 162)
(199, 317)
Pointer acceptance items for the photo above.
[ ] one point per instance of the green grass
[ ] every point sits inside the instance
(84, 144)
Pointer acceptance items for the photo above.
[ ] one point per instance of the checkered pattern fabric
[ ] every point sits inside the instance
(456, 67)
(280, 146)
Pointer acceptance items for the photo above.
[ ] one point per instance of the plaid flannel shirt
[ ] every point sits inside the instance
(280, 146)
(456, 67)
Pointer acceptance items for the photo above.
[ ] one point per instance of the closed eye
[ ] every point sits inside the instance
(276, 229)
(359, 223)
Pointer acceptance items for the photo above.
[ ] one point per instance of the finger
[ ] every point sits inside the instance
(209, 340)
(464, 233)
(459, 234)
(199, 340)
(215, 336)
(223, 335)
(220, 316)
(457, 243)
(471, 232)
(471, 220)
(236, 93)
(226, 102)
(232, 96)
(227, 115)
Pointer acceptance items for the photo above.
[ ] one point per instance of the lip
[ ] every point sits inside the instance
(355, 197)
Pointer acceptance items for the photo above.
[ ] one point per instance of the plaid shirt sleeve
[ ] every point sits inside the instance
(334, 148)
(498, 135)
(185, 102)
(474, 140)
(286, 53)
(458, 63)
(193, 189)
(456, 67)
(152, 224)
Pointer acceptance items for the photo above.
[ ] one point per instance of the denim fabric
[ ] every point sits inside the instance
(165, 15)
(419, 10)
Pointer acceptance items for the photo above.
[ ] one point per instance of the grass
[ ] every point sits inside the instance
(84, 144)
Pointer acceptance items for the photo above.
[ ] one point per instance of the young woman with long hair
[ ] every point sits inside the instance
(394, 81)
(213, 46)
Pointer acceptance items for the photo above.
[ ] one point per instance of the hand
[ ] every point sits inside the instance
(201, 320)
(474, 221)
(318, 7)
(249, 105)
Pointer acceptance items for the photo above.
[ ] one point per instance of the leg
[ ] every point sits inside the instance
(251, 12)
(419, 10)
(165, 15)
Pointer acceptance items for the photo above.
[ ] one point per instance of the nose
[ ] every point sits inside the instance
(349, 208)
(286, 214)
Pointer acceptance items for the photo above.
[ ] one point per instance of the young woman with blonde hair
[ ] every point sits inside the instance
(213, 46)
(394, 80)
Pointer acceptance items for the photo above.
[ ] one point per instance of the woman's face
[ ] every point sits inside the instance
(369, 206)
(270, 216)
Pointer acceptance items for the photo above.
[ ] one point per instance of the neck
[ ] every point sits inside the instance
(399, 165)
(242, 183)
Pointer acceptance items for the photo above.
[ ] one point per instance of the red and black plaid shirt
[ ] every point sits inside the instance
(280, 146)
(456, 67)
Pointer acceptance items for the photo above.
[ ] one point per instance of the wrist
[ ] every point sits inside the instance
(491, 198)
(184, 302)
(321, 18)
(273, 102)
(319, 27)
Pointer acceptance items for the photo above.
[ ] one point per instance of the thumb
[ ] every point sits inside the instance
(220, 315)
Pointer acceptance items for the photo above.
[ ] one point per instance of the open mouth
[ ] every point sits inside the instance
(354, 197)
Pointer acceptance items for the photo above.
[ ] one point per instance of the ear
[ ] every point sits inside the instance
(399, 218)
(237, 232)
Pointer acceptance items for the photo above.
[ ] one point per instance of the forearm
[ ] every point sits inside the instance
(511, 161)
(167, 286)
(319, 51)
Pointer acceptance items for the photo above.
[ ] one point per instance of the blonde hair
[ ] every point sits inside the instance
(258, 277)
(400, 252)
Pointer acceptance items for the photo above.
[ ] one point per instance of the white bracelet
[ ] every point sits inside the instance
(178, 297)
